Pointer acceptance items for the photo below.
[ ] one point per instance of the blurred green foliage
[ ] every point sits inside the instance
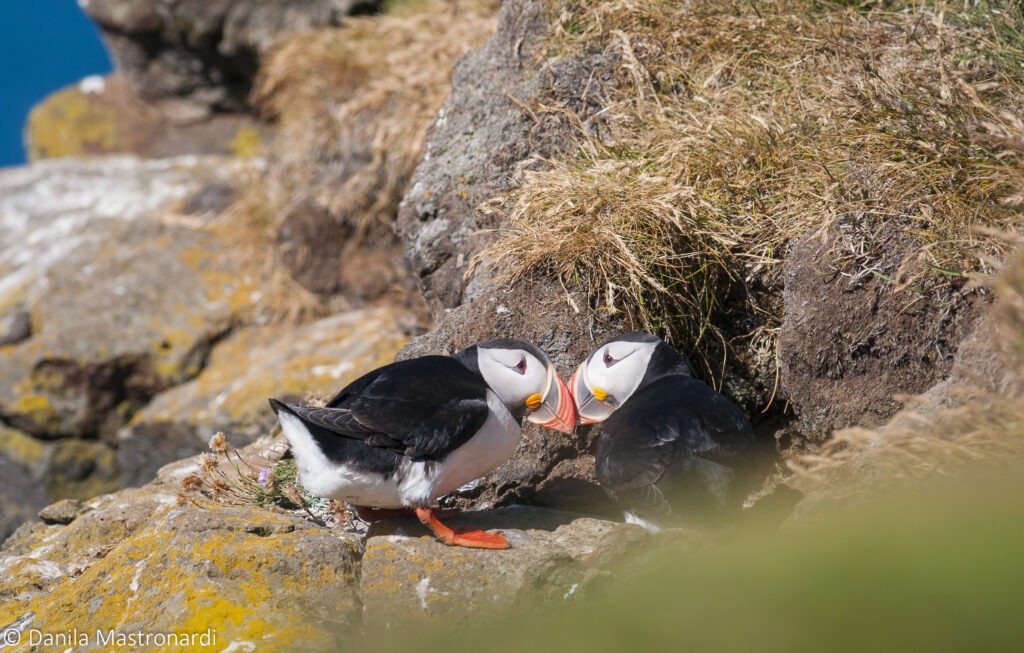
(939, 570)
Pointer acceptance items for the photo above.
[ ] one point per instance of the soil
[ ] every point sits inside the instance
(853, 343)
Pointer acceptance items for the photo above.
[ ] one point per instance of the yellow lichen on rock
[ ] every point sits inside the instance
(246, 143)
(38, 409)
(241, 574)
(254, 363)
(70, 123)
(20, 447)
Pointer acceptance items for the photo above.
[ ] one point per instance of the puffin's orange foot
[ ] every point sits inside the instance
(480, 540)
(475, 539)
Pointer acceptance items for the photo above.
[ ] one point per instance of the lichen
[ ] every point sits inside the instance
(21, 448)
(70, 123)
(189, 572)
(37, 409)
(246, 143)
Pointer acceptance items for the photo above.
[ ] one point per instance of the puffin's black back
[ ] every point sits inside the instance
(420, 408)
(650, 451)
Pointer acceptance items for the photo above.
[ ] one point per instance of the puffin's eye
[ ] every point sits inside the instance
(609, 360)
(521, 366)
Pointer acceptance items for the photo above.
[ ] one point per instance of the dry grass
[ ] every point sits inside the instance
(351, 107)
(735, 128)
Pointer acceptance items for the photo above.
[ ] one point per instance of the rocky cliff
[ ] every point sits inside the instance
(132, 328)
(167, 558)
(812, 220)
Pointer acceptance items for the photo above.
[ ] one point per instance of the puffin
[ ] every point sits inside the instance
(412, 431)
(669, 447)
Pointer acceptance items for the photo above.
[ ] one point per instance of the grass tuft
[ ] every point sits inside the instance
(734, 128)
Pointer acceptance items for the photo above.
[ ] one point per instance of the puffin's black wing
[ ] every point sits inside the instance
(423, 407)
(673, 418)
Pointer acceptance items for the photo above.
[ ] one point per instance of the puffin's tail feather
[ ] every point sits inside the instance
(278, 406)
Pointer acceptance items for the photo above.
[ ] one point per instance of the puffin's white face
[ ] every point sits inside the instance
(609, 377)
(520, 379)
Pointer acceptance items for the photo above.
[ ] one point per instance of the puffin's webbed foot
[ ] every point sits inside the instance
(476, 539)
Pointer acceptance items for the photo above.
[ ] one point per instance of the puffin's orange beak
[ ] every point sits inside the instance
(554, 409)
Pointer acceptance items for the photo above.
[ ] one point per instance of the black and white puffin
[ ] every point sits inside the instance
(409, 432)
(669, 445)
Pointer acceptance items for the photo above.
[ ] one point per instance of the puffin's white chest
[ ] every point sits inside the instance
(492, 445)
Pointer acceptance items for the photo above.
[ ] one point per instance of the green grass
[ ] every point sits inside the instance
(940, 570)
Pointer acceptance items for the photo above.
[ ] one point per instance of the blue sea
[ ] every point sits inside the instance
(44, 46)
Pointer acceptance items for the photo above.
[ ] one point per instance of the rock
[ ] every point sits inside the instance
(102, 115)
(15, 326)
(81, 469)
(126, 297)
(849, 346)
(163, 559)
(245, 369)
(35, 473)
(202, 53)
(23, 466)
(481, 135)
(479, 138)
(39, 556)
(62, 512)
(985, 363)
(140, 562)
(555, 556)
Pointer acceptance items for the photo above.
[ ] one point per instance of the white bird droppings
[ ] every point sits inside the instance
(93, 84)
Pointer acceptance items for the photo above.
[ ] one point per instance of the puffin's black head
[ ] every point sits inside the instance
(617, 369)
(522, 376)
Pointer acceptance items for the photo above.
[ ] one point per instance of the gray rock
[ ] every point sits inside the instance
(15, 326)
(205, 52)
(139, 560)
(62, 512)
(104, 115)
(24, 461)
(479, 138)
(181, 562)
(126, 298)
(246, 368)
(555, 556)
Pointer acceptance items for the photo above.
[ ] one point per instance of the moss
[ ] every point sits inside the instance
(70, 123)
